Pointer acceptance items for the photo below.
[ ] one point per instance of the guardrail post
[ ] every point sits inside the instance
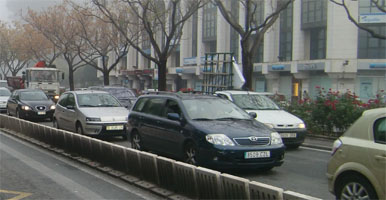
(185, 176)
(149, 167)
(133, 164)
(166, 173)
(263, 191)
(209, 184)
(234, 187)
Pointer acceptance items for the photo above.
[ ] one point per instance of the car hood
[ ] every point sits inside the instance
(4, 98)
(106, 113)
(32, 104)
(234, 129)
(276, 117)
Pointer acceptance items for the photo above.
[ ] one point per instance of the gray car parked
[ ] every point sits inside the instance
(94, 113)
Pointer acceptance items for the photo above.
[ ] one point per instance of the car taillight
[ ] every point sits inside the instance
(337, 144)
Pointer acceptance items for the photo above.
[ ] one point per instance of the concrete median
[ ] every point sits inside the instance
(170, 178)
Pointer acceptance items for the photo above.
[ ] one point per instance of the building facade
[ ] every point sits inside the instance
(313, 44)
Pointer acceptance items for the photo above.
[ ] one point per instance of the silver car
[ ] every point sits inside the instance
(94, 113)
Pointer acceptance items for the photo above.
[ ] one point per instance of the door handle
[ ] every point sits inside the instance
(380, 157)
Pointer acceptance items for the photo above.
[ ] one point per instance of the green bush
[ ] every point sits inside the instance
(331, 113)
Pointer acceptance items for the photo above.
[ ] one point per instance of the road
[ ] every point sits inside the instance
(28, 172)
(303, 171)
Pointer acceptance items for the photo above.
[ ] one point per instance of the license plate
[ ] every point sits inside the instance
(41, 113)
(288, 135)
(257, 154)
(109, 128)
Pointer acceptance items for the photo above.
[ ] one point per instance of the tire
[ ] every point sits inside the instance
(354, 187)
(190, 153)
(79, 129)
(55, 124)
(136, 141)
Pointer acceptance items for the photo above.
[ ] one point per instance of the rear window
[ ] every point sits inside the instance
(380, 131)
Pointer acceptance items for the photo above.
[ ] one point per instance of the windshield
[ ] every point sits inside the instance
(212, 109)
(121, 93)
(33, 96)
(43, 76)
(97, 100)
(254, 102)
(5, 93)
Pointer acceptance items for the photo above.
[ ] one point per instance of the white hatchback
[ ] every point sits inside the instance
(291, 128)
(94, 113)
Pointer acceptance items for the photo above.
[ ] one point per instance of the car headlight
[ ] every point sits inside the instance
(93, 119)
(56, 97)
(276, 138)
(219, 139)
(25, 107)
(269, 125)
(52, 107)
(302, 125)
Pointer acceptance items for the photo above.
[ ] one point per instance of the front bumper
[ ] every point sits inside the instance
(100, 129)
(288, 136)
(31, 114)
(232, 157)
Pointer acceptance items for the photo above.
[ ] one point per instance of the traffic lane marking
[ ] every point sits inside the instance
(20, 195)
(314, 149)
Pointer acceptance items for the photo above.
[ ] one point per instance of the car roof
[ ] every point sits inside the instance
(88, 92)
(29, 90)
(242, 92)
(177, 95)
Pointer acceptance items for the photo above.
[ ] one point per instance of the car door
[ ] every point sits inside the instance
(377, 151)
(171, 130)
(12, 103)
(151, 117)
(60, 112)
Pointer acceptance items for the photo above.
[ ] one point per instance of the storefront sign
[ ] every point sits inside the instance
(311, 66)
(371, 66)
(372, 18)
(279, 67)
(193, 61)
(185, 70)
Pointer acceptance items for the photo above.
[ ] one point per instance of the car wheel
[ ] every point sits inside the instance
(354, 187)
(79, 129)
(190, 153)
(136, 141)
(55, 123)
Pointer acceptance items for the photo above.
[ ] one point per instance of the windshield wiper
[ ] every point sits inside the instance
(106, 105)
(249, 108)
(202, 119)
(229, 118)
(87, 105)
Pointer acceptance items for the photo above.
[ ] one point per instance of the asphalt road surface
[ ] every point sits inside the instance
(304, 171)
(28, 172)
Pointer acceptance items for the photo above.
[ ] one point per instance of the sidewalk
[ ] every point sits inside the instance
(318, 142)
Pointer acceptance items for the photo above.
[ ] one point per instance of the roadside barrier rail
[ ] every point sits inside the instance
(166, 177)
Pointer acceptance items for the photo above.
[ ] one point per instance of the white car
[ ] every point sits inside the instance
(4, 96)
(291, 128)
(94, 113)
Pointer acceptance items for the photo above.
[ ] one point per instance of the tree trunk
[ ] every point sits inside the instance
(71, 77)
(106, 78)
(247, 66)
(162, 75)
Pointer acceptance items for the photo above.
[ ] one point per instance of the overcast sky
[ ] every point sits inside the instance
(10, 9)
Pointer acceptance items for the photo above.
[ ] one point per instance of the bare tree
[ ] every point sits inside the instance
(153, 19)
(13, 55)
(252, 32)
(102, 40)
(58, 26)
(373, 33)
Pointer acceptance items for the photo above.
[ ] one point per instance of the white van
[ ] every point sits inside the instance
(291, 128)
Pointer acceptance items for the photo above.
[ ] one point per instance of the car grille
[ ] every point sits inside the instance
(40, 108)
(252, 141)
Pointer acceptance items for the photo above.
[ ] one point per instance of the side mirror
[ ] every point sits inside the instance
(253, 115)
(70, 107)
(174, 116)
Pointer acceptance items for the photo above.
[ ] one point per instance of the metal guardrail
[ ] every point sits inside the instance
(166, 177)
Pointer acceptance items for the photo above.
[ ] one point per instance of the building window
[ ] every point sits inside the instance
(209, 22)
(285, 52)
(318, 44)
(314, 13)
(370, 47)
(194, 34)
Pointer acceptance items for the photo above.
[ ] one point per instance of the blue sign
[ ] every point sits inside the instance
(377, 65)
